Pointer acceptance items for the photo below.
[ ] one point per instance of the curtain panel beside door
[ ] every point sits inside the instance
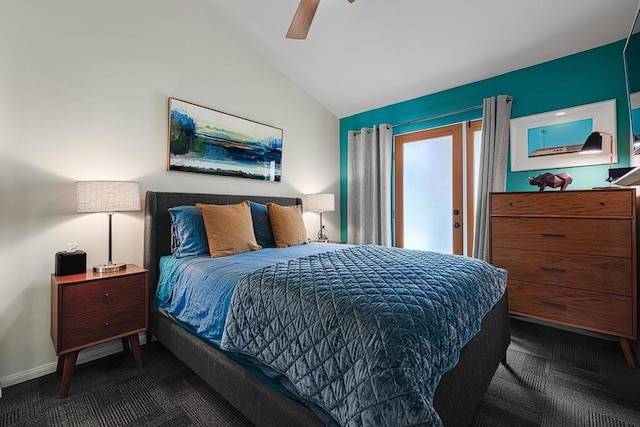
(369, 185)
(496, 116)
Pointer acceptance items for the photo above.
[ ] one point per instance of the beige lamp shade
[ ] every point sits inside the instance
(321, 202)
(107, 196)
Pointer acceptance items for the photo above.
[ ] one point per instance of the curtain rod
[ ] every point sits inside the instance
(437, 116)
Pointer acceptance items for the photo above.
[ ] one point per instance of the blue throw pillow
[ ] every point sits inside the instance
(188, 236)
(262, 225)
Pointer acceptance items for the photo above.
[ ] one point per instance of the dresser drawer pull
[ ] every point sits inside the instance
(106, 324)
(557, 269)
(106, 295)
(553, 235)
(554, 304)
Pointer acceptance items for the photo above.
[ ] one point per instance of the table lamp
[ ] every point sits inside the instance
(593, 144)
(321, 202)
(109, 197)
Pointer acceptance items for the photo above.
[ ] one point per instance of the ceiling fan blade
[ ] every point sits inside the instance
(302, 19)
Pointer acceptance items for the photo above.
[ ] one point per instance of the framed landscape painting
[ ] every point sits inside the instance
(203, 140)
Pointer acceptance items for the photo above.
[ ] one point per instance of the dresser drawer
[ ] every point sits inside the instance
(615, 203)
(610, 237)
(611, 314)
(596, 273)
(101, 325)
(99, 295)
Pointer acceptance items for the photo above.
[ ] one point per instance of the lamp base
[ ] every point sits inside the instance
(322, 235)
(108, 268)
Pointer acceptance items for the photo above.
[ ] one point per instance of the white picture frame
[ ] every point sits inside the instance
(565, 130)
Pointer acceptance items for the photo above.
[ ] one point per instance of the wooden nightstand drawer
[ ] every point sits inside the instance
(99, 295)
(101, 325)
(585, 309)
(608, 237)
(611, 275)
(564, 203)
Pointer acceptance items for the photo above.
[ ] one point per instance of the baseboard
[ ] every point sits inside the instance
(86, 355)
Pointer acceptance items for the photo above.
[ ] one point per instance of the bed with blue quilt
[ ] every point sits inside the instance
(328, 334)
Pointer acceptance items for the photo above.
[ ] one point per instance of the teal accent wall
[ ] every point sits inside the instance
(583, 78)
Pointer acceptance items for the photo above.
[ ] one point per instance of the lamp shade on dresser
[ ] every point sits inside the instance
(571, 258)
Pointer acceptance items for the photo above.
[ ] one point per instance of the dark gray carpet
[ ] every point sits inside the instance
(559, 378)
(553, 378)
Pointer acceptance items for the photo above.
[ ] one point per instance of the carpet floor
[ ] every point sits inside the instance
(553, 378)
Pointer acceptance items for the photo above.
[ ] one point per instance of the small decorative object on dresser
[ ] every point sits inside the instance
(571, 258)
(561, 180)
(91, 308)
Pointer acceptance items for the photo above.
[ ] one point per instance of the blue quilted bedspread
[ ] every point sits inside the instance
(365, 333)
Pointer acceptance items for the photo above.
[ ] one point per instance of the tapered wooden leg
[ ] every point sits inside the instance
(628, 354)
(67, 372)
(60, 365)
(134, 342)
(125, 345)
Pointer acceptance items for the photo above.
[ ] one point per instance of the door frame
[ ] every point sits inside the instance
(455, 131)
(471, 127)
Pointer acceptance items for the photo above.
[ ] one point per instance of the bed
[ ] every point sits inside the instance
(244, 387)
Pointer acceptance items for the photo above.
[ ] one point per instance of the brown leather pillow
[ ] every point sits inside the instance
(287, 225)
(229, 229)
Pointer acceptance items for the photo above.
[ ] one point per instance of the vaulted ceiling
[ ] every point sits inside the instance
(371, 53)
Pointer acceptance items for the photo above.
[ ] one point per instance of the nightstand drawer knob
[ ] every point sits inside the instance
(106, 295)
(106, 324)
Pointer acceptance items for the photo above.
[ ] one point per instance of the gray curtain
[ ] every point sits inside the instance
(369, 186)
(493, 165)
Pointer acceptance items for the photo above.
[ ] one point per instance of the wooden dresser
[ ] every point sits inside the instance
(571, 258)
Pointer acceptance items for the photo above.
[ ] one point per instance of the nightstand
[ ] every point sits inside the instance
(92, 308)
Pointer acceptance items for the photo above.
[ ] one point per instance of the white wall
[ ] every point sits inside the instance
(83, 95)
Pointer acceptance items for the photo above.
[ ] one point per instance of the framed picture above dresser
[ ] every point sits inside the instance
(571, 258)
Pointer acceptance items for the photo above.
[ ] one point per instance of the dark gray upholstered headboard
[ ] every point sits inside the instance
(157, 223)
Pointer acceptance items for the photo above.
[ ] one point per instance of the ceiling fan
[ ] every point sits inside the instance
(302, 19)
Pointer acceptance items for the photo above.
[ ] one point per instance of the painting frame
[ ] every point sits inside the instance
(207, 141)
(634, 117)
(571, 123)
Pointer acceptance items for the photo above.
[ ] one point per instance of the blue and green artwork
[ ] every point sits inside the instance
(207, 141)
(561, 138)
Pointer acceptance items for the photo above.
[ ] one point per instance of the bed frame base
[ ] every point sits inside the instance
(457, 397)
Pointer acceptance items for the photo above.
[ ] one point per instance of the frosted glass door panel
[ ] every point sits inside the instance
(428, 195)
(477, 147)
